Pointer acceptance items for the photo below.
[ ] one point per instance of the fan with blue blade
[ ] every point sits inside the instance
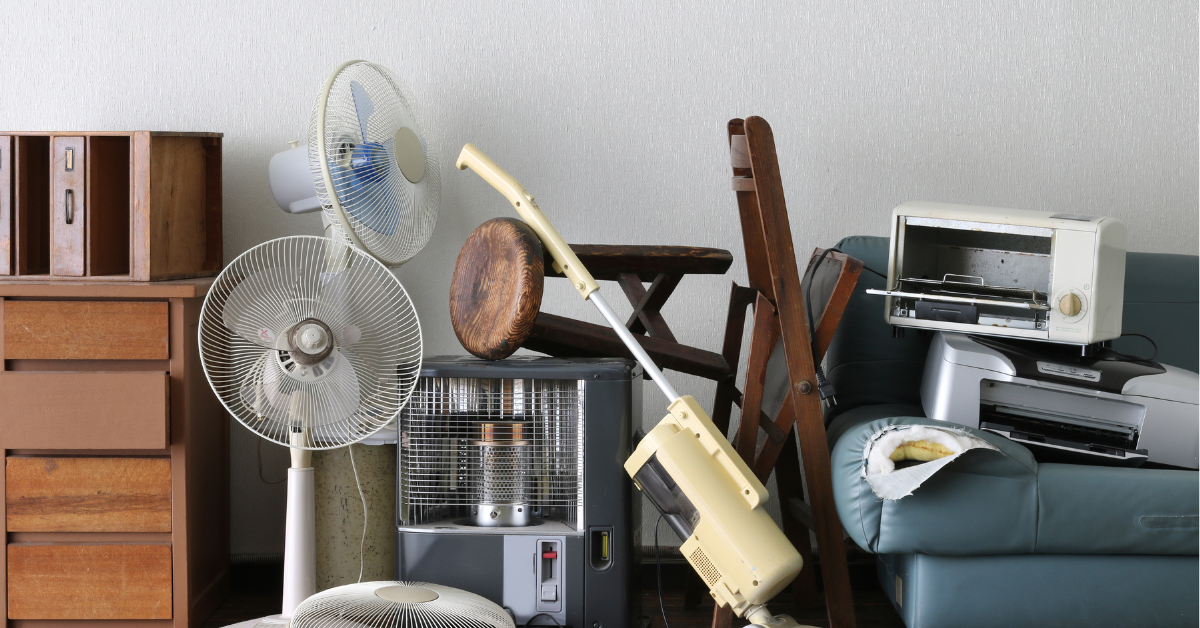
(368, 165)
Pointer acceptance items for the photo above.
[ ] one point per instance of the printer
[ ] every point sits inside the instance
(1105, 408)
(1006, 272)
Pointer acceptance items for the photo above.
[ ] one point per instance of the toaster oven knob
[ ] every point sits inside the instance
(1070, 305)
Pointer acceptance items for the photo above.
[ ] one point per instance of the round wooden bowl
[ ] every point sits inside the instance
(497, 288)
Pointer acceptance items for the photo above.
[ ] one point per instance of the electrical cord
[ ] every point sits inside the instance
(658, 573)
(260, 466)
(363, 541)
(357, 483)
(1137, 358)
(546, 615)
(872, 270)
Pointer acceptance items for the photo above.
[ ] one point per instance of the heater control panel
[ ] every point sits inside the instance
(536, 574)
(548, 574)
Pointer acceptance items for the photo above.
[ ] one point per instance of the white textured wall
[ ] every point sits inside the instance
(613, 114)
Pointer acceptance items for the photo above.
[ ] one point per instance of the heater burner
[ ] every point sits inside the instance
(504, 475)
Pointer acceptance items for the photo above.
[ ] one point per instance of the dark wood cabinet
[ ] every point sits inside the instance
(110, 206)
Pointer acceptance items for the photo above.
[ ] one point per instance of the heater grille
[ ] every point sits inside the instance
(471, 441)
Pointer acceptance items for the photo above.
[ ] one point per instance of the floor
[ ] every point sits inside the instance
(256, 592)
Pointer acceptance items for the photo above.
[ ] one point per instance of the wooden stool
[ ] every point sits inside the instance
(496, 293)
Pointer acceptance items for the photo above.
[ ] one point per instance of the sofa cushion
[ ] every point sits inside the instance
(1060, 590)
(989, 502)
(1107, 510)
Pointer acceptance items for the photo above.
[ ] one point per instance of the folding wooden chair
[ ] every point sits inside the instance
(775, 291)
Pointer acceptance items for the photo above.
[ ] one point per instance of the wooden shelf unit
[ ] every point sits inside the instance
(116, 482)
(110, 206)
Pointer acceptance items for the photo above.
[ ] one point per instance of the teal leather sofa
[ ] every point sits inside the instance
(995, 538)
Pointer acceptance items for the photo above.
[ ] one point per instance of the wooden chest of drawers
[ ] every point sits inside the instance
(116, 477)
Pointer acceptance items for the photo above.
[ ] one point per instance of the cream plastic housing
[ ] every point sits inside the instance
(1077, 256)
(565, 260)
(735, 546)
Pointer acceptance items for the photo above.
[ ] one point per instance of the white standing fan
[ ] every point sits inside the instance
(311, 344)
(399, 605)
(367, 165)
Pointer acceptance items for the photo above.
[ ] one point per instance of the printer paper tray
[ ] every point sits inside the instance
(1069, 451)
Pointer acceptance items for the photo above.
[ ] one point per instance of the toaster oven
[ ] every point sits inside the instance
(1006, 272)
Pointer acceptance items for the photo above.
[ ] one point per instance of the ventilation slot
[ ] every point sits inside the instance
(704, 568)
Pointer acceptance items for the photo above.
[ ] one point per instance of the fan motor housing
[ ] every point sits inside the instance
(311, 341)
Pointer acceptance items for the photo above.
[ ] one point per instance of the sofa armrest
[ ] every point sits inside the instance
(1003, 502)
(985, 502)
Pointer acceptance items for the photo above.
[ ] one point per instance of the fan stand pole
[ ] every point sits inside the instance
(299, 551)
(328, 227)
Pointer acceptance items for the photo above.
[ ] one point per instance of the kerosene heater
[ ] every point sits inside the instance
(510, 485)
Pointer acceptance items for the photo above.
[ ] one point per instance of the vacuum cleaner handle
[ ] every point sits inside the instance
(565, 260)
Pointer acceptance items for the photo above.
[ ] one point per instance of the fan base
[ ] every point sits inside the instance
(271, 621)
(405, 594)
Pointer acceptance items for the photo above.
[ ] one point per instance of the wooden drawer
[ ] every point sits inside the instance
(101, 581)
(85, 330)
(68, 213)
(126, 410)
(88, 494)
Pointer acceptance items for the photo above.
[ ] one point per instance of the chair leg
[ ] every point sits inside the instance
(722, 616)
(740, 298)
(789, 485)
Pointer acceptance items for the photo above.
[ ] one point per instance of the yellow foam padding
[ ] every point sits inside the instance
(920, 450)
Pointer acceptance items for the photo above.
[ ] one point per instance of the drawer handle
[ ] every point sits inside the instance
(69, 207)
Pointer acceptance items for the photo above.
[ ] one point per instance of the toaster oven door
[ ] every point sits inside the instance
(972, 273)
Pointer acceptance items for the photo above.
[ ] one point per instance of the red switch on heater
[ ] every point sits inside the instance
(549, 554)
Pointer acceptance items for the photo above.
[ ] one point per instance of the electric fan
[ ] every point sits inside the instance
(311, 344)
(367, 165)
(399, 605)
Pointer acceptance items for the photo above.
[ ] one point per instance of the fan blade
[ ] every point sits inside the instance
(305, 404)
(251, 313)
(362, 106)
(252, 391)
(378, 170)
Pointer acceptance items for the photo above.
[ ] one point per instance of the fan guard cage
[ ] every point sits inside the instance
(358, 606)
(391, 216)
(272, 287)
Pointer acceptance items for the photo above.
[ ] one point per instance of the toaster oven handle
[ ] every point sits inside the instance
(978, 281)
(1022, 305)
